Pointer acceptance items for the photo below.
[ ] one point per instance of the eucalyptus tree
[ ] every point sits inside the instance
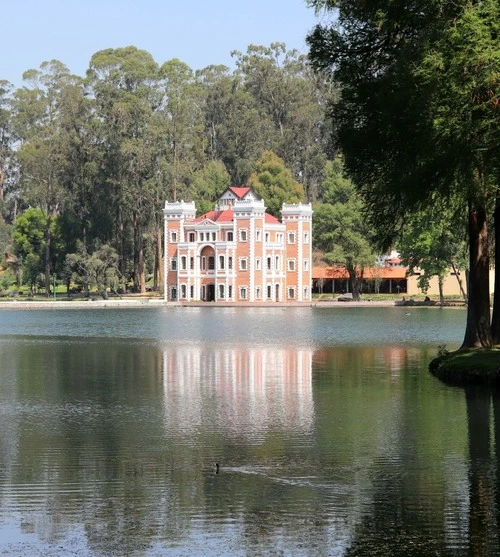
(182, 115)
(235, 131)
(419, 116)
(6, 138)
(124, 82)
(82, 158)
(291, 100)
(37, 116)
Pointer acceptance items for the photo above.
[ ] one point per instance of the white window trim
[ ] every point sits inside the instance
(243, 264)
(290, 265)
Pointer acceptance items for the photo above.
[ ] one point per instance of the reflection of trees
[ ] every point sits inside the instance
(338, 448)
(396, 525)
(395, 520)
(483, 477)
(79, 434)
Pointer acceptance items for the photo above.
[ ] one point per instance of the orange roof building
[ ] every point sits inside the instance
(237, 252)
(392, 279)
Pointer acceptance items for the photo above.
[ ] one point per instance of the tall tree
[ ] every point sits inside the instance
(37, 125)
(183, 125)
(235, 130)
(419, 114)
(290, 100)
(124, 83)
(6, 139)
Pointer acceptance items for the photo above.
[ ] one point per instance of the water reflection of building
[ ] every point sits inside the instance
(245, 391)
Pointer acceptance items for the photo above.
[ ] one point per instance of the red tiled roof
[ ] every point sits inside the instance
(396, 273)
(239, 191)
(217, 216)
(227, 215)
(271, 220)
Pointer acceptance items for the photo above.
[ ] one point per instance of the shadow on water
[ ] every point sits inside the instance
(484, 472)
(393, 528)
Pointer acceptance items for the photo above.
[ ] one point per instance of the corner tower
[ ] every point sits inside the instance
(175, 216)
(297, 218)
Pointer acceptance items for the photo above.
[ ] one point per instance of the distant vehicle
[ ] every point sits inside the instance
(344, 297)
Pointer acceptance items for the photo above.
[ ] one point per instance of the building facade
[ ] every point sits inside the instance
(237, 252)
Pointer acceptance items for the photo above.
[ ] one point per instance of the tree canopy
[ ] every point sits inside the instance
(275, 183)
(100, 154)
(419, 116)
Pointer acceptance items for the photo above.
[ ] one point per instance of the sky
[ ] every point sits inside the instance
(198, 32)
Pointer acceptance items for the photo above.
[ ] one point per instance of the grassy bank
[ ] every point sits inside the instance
(479, 366)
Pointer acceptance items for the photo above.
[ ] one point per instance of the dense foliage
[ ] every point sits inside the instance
(341, 231)
(98, 156)
(419, 118)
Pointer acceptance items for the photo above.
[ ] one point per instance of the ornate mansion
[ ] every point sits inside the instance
(237, 252)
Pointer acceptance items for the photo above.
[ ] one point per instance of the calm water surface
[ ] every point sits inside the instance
(332, 437)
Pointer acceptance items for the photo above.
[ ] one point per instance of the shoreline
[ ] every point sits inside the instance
(157, 302)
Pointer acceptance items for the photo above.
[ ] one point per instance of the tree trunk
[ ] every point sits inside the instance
(121, 244)
(459, 280)
(441, 294)
(139, 272)
(159, 258)
(495, 321)
(47, 258)
(478, 329)
(355, 283)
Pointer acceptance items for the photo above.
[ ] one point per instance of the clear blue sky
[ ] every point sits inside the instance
(198, 32)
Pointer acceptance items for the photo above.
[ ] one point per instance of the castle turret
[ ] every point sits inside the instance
(175, 215)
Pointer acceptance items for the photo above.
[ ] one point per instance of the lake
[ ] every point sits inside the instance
(331, 436)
